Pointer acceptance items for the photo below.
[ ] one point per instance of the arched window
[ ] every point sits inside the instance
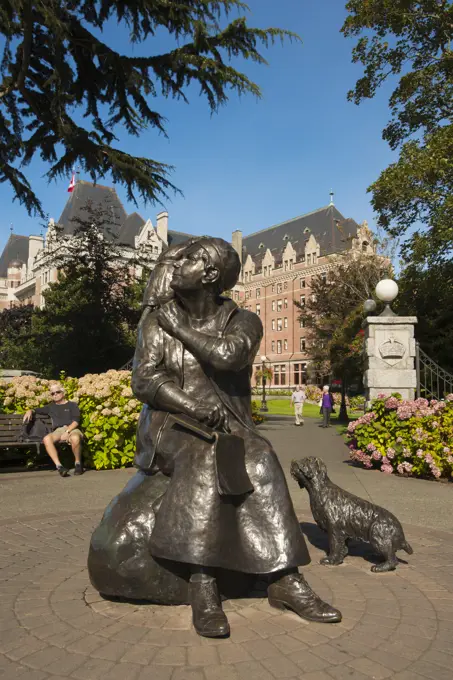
(364, 246)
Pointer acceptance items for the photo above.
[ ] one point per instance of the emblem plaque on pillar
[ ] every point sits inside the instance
(389, 349)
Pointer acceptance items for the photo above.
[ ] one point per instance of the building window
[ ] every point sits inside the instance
(273, 288)
(279, 305)
(302, 283)
(300, 374)
(236, 295)
(285, 285)
(286, 265)
(248, 294)
(308, 259)
(273, 324)
(280, 374)
(285, 322)
(279, 287)
(301, 323)
(285, 344)
(279, 325)
(273, 305)
(273, 345)
(285, 303)
(302, 345)
(279, 346)
(324, 277)
(258, 310)
(314, 258)
(302, 300)
(258, 292)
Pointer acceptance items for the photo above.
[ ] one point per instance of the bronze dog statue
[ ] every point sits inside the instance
(343, 516)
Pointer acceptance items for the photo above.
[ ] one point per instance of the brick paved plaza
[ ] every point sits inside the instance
(54, 625)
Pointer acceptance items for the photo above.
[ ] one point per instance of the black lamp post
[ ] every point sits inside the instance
(263, 378)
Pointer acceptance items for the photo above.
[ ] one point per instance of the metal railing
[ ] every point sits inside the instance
(127, 366)
(433, 382)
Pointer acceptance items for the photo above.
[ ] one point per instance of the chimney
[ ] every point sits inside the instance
(237, 243)
(35, 244)
(162, 226)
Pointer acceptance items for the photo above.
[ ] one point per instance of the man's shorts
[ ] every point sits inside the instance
(62, 430)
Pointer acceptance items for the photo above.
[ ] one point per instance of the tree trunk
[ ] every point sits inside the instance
(343, 415)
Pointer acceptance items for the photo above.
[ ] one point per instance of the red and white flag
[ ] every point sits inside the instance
(72, 183)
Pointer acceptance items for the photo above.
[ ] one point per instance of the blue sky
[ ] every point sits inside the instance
(256, 162)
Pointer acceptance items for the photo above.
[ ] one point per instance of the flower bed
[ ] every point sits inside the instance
(411, 438)
(108, 410)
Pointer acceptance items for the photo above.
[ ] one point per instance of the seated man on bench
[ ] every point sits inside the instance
(65, 417)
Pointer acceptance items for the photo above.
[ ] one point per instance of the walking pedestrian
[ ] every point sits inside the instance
(327, 404)
(297, 398)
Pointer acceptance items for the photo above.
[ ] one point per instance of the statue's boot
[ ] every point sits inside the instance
(208, 617)
(293, 592)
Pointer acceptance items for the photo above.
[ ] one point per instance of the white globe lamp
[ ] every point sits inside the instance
(387, 290)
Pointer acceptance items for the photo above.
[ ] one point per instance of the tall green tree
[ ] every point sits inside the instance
(411, 43)
(57, 70)
(428, 294)
(15, 335)
(333, 315)
(90, 316)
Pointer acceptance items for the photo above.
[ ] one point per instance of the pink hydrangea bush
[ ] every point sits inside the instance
(410, 438)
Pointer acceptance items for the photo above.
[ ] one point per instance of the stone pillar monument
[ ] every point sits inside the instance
(390, 349)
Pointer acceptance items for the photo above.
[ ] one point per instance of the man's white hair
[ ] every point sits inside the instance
(326, 388)
(58, 386)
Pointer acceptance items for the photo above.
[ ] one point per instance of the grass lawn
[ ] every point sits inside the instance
(281, 407)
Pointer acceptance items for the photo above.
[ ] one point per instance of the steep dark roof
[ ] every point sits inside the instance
(177, 237)
(125, 227)
(130, 229)
(99, 195)
(331, 235)
(16, 249)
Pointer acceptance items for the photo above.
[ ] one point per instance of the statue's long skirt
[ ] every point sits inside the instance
(258, 533)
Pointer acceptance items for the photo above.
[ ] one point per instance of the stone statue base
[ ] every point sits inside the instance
(119, 561)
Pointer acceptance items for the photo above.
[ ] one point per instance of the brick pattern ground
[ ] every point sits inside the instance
(54, 625)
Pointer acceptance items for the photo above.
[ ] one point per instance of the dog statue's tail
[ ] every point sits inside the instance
(408, 548)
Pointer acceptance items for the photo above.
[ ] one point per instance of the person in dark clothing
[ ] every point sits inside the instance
(327, 404)
(65, 417)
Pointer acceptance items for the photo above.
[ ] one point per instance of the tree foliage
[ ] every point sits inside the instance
(411, 42)
(428, 294)
(90, 316)
(15, 329)
(333, 313)
(57, 68)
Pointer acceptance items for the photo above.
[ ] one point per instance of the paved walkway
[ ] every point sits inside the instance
(53, 625)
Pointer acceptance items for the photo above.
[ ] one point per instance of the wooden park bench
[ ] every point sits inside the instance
(11, 432)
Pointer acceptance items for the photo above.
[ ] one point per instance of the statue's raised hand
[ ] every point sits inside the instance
(171, 317)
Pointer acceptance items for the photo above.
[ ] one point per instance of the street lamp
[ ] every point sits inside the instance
(386, 291)
(369, 306)
(263, 379)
